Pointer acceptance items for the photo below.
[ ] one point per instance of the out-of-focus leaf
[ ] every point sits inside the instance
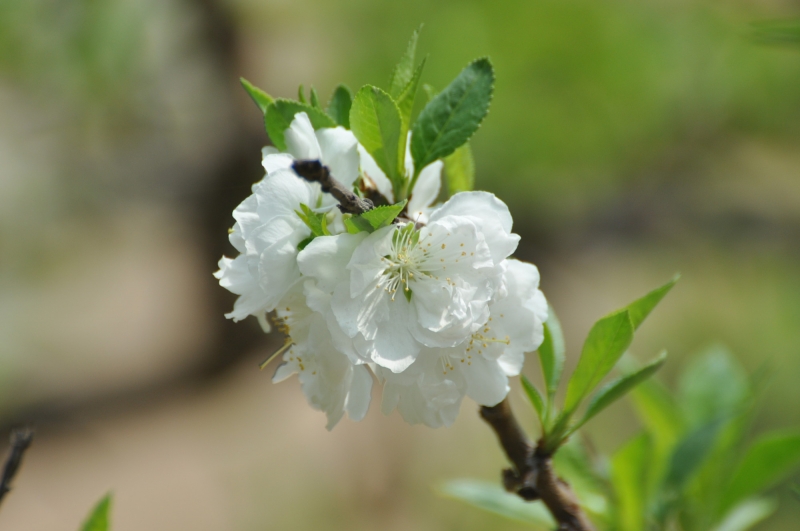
(573, 464)
(535, 398)
(459, 170)
(552, 354)
(315, 99)
(301, 95)
(629, 476)
(339, 106)
(713, 385)
(281, 113)
(771, 458)
(747, 514)
(98, 519)
(430, 92)
(261, 98)
(689, 453)
(616, 389)
(376, 122)
(450, 119)
(641, 308)
(404, 71)
(608, 339)
(406, 98)
(491, 497)
(777, 32)
(658, 412)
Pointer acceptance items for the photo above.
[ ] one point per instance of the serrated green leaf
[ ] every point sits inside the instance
(315, 99)
(608, 339)
(357, 224)
(405, 100)
(459, 170)
(629, 476)
(552, 354)
(383, 216)
(772, 457)
(98, 518)
(301, 95)
(535, 398)
(317, 222)
(376, 123)
(747, 514)
(491, 497)
(641, 308)
(616, 389)
(261, 98)
(280, 115)
(339, 106)
(404, 70)
(450, 119)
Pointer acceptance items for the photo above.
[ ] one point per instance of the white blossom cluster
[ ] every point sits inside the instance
(431, 305)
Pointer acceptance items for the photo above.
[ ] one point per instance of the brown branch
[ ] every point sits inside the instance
(314, 171)
(20, 441)
(533, 477)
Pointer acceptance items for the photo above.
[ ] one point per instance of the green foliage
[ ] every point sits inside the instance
(404, 71)
(317, 222)
(339, 106)
(552, 354)
(451, 117)
(280, 114)
(459, 170)
(261, 98)
(406, 98)
(315, 99)
(629, 469)
(98, 518)
(491, 497)
(376, 122)
(536, 400)
(640, 309)
(375, 219)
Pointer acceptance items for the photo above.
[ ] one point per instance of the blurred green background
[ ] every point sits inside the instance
(630, 139)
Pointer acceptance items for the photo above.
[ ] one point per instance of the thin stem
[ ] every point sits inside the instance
(314, 171)
(533, 477)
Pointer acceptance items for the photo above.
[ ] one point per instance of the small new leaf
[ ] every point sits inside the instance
(551, 354)
(450, 118)
(315, 99)
(535, 397)
(616, 389)
(405, 100)
(375, 219)
(301, 95)
(261, 98)
(98, 519)
(608, 339)
(404, 71)
(280, 114)
(641, 308)
(339, 106)
(376, 123)
(316, 222)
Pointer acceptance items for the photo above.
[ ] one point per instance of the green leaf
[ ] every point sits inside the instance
(98, 519)
(430, 92)
(616, 389)
(303, 244)
(491, 497)
(405, 100)
(459, 170)
(629, 471)
(535, 397)
(712, 385)
(770, 459)
(551, 354)
(747, 514)
(383, 216)
(376, 123)
(261, 98)
(689, 454)
(450, 119)
(356, 224)
(339, 106)
(315, 99)
(608, 339)
(573, 464)
(301, 95)
(404, 71)
(641, 308)
(317, 222)
(280, 114)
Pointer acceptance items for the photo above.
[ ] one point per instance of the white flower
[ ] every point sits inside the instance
(431, 389)
(267, 229)
(331, 382)
(425, 191)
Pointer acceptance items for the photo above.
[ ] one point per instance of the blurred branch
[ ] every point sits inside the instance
(20, 441)
(533, 477)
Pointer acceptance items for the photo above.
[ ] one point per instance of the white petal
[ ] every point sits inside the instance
(360, 394)
(281, 195)
(486, 383)
(339, 153)
(326, 257)
(426, 189)
(375, 173)
(301, 142)
(276, 161)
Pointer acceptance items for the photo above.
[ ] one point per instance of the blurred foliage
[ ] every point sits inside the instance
(98, 518)
(695, 465)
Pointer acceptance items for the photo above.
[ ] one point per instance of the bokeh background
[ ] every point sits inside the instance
(630, 139)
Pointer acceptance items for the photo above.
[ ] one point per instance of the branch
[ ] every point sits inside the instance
(533, 477)
(313, 171)
(20, 441)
